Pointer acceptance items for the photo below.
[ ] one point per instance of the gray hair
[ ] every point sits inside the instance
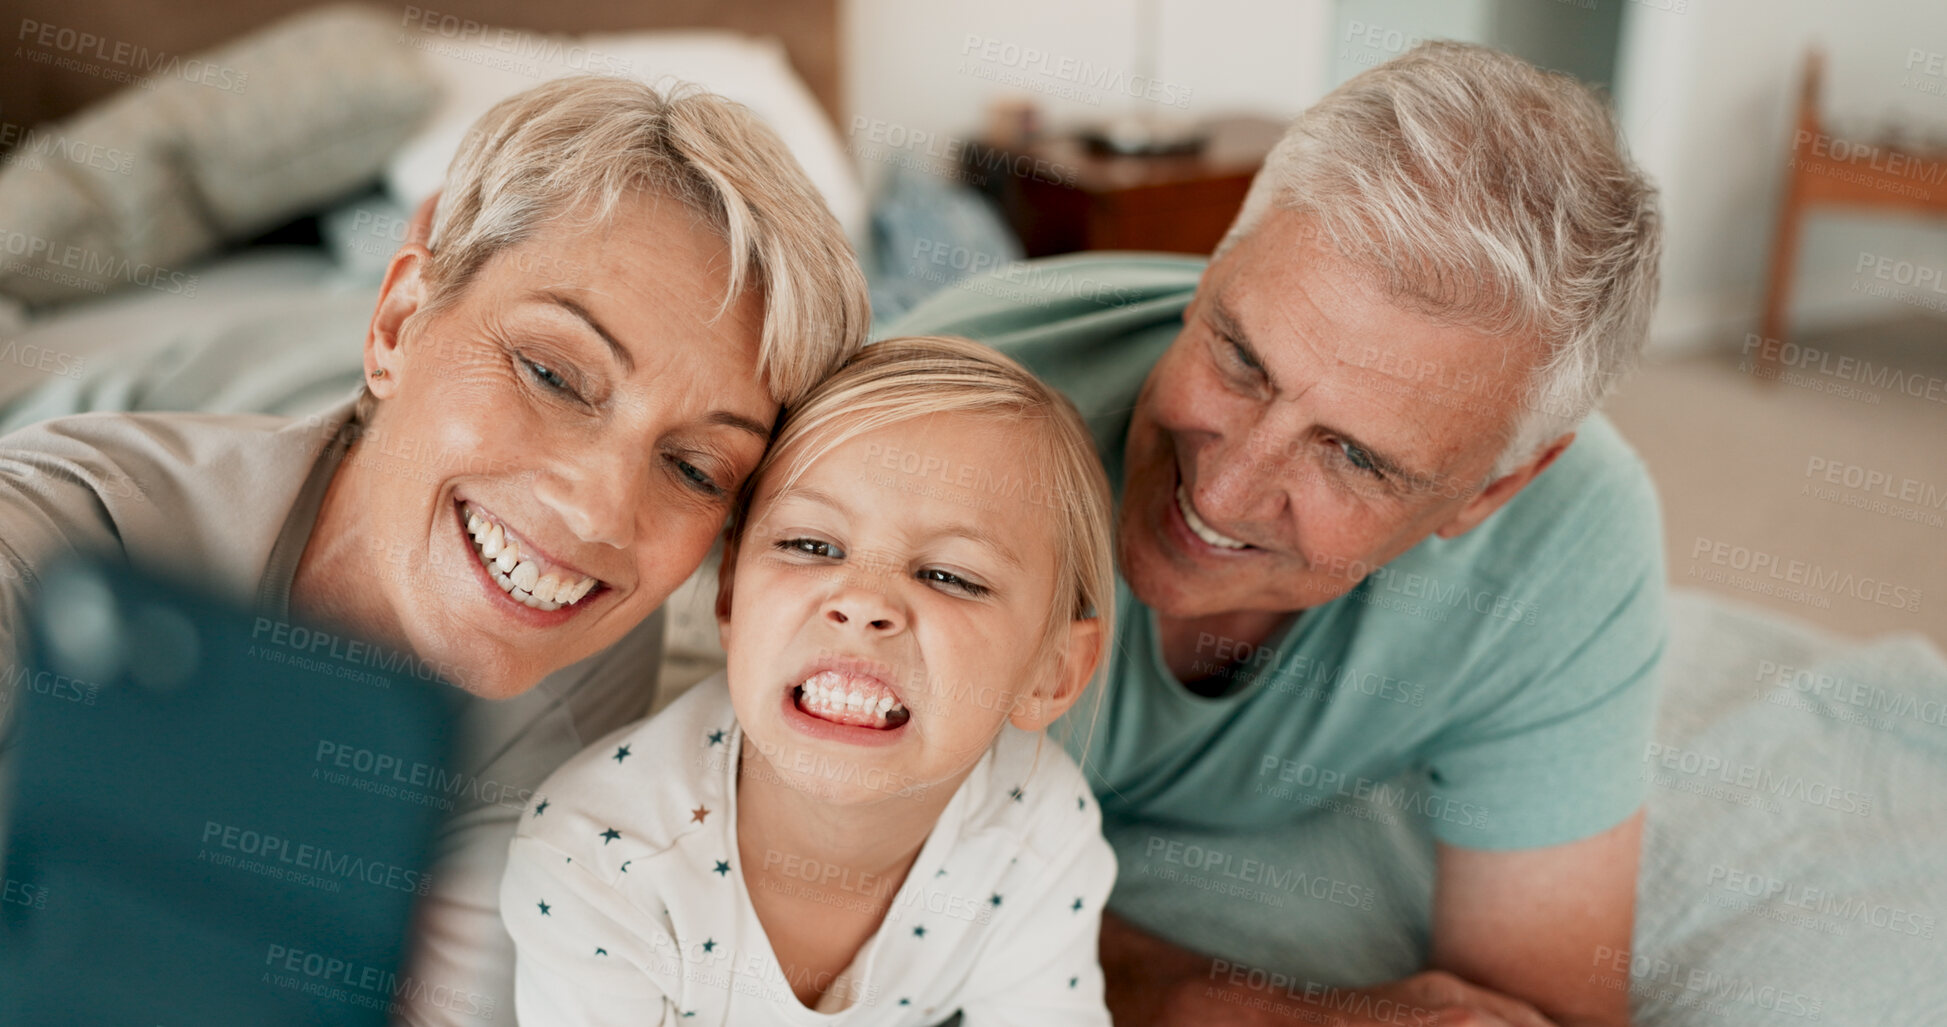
(577, 146)
(1489, 193)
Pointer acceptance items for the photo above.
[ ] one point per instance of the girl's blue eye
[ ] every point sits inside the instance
(954, 580)
(545, 375)
(810, 547)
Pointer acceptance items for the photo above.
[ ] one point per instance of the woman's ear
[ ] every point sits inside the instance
(1076, 659)
(403, 293)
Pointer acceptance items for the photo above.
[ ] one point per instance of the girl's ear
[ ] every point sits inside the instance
(726, 577)
(1077, 656)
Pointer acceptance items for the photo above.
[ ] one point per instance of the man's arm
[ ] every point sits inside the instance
(1527, 936)
(1153, 983)
(1543, 924)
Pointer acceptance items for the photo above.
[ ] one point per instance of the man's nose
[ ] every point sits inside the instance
(1245, 482)
(597, 492)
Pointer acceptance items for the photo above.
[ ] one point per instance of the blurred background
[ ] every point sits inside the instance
(210, 164)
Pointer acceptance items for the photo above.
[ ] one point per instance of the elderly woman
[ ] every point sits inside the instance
(566, 388)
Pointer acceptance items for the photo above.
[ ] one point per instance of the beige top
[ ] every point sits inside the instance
(229, 501)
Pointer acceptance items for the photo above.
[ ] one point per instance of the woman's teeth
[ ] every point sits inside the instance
(521, 578)
(842, 699)
(1200, 529)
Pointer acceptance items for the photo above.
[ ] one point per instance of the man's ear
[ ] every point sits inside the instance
(1500, 490)
(726, 577)
(400, 297)
(1079, 654)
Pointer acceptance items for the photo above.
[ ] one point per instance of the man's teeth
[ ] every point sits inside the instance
(1202, 530)
(521, 578)
(860, 702)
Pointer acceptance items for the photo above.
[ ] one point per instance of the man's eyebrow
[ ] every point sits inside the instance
(621, 352)
(1227, 323)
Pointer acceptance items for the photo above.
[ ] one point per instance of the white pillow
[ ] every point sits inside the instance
(490, 66)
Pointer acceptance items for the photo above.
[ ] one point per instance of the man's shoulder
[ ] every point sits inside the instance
(1028, 297)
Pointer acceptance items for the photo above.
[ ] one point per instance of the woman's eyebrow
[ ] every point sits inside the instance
(620, 352)
(739, 422)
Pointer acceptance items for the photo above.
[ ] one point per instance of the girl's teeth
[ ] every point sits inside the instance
(828, 697)
(507, 561)
(495, 541)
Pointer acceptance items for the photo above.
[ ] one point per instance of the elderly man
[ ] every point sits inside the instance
(1378, 558)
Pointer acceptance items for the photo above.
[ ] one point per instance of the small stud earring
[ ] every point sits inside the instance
(378, 372)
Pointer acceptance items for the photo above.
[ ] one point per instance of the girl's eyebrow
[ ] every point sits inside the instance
(957, 529)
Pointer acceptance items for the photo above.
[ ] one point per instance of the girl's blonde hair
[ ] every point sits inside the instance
(900, 379)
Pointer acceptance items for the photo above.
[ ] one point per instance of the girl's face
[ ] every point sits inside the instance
(882, 617)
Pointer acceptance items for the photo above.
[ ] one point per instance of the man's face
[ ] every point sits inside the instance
(1303, 430)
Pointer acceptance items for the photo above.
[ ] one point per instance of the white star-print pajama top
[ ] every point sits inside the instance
(627, 903)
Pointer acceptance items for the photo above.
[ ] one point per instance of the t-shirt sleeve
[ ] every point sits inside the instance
(575, 964)
(1042, 967)
(1559, 758)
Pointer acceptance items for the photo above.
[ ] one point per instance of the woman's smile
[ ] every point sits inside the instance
(517, 576)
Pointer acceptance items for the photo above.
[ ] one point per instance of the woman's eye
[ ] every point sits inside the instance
(545, 375)
(698, 477)
(1360, 458)
(953, 580)
(810, 547)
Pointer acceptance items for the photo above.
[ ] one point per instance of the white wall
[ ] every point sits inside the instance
(1707, 96)
(925, 65)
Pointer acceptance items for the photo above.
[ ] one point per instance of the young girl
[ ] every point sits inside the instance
(863, 823)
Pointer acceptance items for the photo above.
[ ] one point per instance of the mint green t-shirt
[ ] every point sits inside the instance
(1499, 685)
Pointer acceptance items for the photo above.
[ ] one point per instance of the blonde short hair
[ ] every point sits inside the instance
(575, 147)
(899, 379)
(1492, 193)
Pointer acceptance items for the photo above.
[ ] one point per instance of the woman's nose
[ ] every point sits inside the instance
(598, 496)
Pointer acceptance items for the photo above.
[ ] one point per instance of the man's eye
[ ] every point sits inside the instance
(545, 375)
(810, 547)
(1360, 458)
(953, 580)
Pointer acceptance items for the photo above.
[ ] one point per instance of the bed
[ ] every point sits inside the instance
(1793, 868)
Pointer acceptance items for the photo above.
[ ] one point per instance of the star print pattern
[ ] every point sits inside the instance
(1044, 965)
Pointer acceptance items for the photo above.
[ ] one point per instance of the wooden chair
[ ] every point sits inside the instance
(1826, 170)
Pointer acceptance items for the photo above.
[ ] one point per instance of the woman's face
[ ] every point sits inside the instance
(554, 452)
